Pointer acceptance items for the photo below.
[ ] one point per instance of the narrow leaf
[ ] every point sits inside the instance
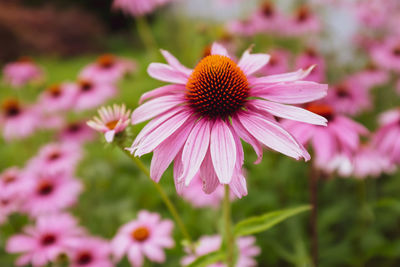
(208, 259)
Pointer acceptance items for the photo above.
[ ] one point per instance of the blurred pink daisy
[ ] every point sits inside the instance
(247, 251)
(267, 18)
(21, 72)
(45, 241)
(145, 237)
(304, 21)
(341, 136)
(199, 120)
(8, 204)
(371, 76)
(278, 63)
(47, 193)
(89, 252)
(111, 120)
(58, 97)
(18, 121)
(10, 181)
(137, 8)
(309, 58)
(107, 69)
(387, 54)
(387, 137)
(76, 133)
(91, 94)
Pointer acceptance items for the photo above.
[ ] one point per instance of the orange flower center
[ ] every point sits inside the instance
(85, 85)
(323, 110)
(25, 60)
(111, 125)
(84, 258)
(73, 127)
(141, 233)
(54, 156)
(11, 107)
(396, 50)
(267, 9)
(48, 240)
(106, 61)
(8, 179)
(302, 14)
(54, 90)
(342, 91)
(45, 188)
(217, 87)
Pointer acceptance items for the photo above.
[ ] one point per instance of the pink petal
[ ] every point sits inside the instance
(291, 93)
(162, 91)
(154, 253)
(166, 73)
(285, 77)
(217, 49)
(251, 63)
(155, 107)
(208, 175)
(238, 184)
(135, 256)
(109, 135)
(173, 62)
(195, 150)
(223, 151)
(19, 243)
(178, 170)
(324, 144)
(289, 112)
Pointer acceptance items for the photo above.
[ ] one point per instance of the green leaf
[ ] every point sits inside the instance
(208, 259)
(263, 222)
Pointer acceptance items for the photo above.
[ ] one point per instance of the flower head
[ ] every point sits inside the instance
(145, 237)
(76, 132)
(89, 252)
(309, 58)
(387, 54)
(111, 120)
(278, 63)
(199, 120)
(21, 72)
(137, 8)
(91, 93)
(58, 97)
(303, 21)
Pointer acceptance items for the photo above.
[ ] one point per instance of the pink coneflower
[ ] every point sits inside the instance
(309, 58)
(47, 193)
(199, 119)
(108, 68)
(10, 181)
(342, 135)
(349, 97)
(372, 13)
(91, 94)
(387, 54)
(89, 252)
(56, 157)
(243, 27)
(17, 120)
(268, 18)
(303, 22)
(21, 72)
(247, 251)
(58, 97)
(111, 120)
(371, 76)
(387, 138)
(45, 241)
(147, 236)
(76, 132)
(137, 8)
(8, 204)
(278, 63)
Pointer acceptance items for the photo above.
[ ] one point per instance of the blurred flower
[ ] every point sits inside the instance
(371, 76)
(349, 97)
(8, 205)
(17, 121)
(247, 251)
(111, 120)
(303, 21)
(138, 7)
(244, 27)
(21, 72)
(145, 237)
(57, 97)
(47, 193)
(92, 94)
(107, 69)
(341, 136)
(200, 119)
(10, 181)
(309, 58)
(45, 241)
(387, 54)
(89, 252)
(372, 13)
(278, 63)
(56, 157)
(76, 132)
(387, 137)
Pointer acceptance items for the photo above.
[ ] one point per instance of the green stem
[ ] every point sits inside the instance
(146, 35)
(165, 199)
(229, 237)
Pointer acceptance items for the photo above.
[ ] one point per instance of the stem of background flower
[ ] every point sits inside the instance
(165, 199)
(146, 34)
(313, 190)
(229, 237)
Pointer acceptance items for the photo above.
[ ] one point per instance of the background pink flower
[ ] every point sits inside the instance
(21, 72)
(92, 94)
(89, 252)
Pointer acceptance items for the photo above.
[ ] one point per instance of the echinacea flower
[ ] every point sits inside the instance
(303, 21)
(341, 136)
(137, 8)
(309, 58)
(387, 137)
(43, 242)
(91, 94)
(8, 204)
(387, 54)
(10, 181)
(58, 97)
(77, 132)
(111, 120)
(372, 13)
(278, 63)
(47, 193)
(147, 236)
(17, 120)
(107, 69)
(247, 251)
(371, 76)
(200, 118)
(89, 252)
(21, 72)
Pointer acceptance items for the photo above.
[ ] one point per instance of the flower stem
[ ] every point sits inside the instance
(145, 34)
(229, 237)
(313, 189)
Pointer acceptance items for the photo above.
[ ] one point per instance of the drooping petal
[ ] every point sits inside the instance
(250, 63)
(166, 73)
(178, 170)
(173, 62)
(162, 91)
(291, 93)
(289, 112)
(195, 150)
(154, 253)
(208, 175)
(285, 77)
(109, 135)
(217, 49)
(223, 151)
(238, 184)
(135, 256)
